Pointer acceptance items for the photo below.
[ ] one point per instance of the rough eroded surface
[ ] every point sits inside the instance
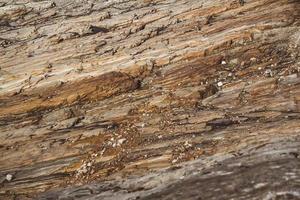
(150, 99)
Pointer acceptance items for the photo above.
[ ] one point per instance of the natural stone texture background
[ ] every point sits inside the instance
(150, 99)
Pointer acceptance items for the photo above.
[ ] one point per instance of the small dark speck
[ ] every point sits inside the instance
(295, 154)
(97, 29)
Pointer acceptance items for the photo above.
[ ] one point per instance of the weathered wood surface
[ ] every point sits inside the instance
(152, 99)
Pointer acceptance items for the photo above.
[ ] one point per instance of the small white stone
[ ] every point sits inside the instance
(9, 177)
(223, 62)
(269, 73)
(260, 185)
(220, 84)
(121, 141)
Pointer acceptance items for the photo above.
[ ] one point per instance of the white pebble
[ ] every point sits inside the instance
(269, 72)
(9, 177)
(121, 141)
(220, 84)
(223, 62)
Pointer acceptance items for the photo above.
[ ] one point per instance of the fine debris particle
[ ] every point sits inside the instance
(121, 141)
(234, 61)
(268, 73)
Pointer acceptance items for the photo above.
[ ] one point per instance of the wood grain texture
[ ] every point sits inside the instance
(152, 99)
